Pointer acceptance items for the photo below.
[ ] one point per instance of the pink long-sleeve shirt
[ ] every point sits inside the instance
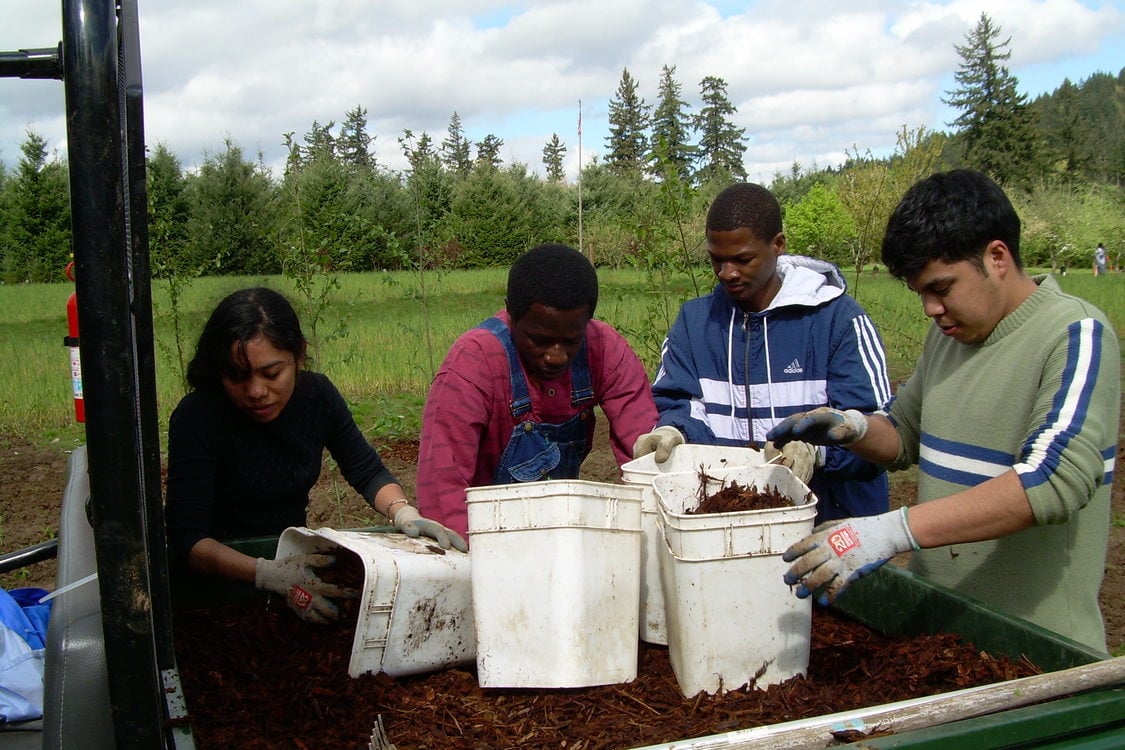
(467, 421)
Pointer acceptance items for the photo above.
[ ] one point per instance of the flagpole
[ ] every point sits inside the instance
(580, 248)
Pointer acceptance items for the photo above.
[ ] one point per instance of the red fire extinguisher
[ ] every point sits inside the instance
(71, 342)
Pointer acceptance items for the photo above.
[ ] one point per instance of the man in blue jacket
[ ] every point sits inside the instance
(776, 337)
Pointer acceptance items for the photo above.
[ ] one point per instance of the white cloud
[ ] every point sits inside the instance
(811, 80)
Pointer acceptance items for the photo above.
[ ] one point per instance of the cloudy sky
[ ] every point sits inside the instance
(811, 80)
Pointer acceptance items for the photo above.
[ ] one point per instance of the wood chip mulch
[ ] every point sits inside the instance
(255, 676)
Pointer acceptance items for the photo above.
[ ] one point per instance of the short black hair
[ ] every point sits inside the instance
(951, 217)
(240, 317)
(555, 276)
(745, 205)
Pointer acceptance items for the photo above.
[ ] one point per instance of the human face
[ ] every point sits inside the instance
(965, 302)
(268, 378)
(746, 266)
(548, 339)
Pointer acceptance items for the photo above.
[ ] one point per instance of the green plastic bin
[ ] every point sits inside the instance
(894, 601)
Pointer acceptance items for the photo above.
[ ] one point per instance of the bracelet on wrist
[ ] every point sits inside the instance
(393, 503)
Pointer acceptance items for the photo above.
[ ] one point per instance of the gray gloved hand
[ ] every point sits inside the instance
(295, 578)
(409, 521)
(660, 441)
(799, 457)
(841, 551)
(823, 426)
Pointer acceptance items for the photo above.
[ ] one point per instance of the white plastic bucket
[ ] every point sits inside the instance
(731, 618)
(687, 457)
(556, 581)
(415, 610)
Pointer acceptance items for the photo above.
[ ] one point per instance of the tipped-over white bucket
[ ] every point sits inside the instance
(687, 457)
(731, 618)
(415, 610)
(556, 581)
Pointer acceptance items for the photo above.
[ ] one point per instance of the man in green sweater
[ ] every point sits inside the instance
(1011, 415)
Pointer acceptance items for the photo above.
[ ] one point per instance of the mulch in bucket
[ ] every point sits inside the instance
(735, 497)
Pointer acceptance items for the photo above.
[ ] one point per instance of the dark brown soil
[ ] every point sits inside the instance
(258, 677)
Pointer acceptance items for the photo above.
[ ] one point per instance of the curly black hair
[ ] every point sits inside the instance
(553, 275)
(951, 217)
(748, 205)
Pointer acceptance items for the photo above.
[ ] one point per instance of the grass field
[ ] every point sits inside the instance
(380, 337)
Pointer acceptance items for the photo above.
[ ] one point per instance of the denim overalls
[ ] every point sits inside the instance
(537, 450)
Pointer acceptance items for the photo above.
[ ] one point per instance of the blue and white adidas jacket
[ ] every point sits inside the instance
(727, 376)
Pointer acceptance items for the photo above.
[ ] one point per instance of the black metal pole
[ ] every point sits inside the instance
(119, 459)
(141, 287)
(32, 63)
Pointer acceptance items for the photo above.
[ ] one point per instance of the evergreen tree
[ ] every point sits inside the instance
(722, 145)
(354, 144)
(996, 124)
(627, 144)
(489, 220)
(232, 222)
(671, 127)
(488, 151)
(1101, 106)
(421, 153)
(319, 142)
(168, 213)
(36, 243)
(430, 190)
(553, 153)
(455, 148)
(1063, 127)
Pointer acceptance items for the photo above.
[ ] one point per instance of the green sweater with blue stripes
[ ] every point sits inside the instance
(1040, 396)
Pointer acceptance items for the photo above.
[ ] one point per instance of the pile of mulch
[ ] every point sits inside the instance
(255, 676)
(735, 498)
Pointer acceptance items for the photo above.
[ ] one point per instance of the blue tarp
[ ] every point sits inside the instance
(23, 635)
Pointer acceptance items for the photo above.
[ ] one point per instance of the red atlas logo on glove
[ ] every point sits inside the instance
(843, 540)
(299, 597)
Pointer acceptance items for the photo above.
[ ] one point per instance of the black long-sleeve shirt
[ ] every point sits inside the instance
(230, 477)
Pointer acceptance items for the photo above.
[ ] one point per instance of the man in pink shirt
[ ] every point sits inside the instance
(514, 399)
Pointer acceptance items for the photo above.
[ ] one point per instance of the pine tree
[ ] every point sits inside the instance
(722, 145)
(455, 148)
(430, 189)
(231, 228)
(996, 125)
(671, 127)
(36, 242)
(627, 143)
(319, 142)
(354, 144)
(167, 212)
(1063, 127)
(553, 153)
(488, 151)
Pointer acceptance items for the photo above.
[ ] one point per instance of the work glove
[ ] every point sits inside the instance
(838, 552)
(800, 458)
(295, 578)
(823, 426)
(409, 521)
(661, 441)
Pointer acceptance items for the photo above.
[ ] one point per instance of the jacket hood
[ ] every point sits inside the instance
(805, 282)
